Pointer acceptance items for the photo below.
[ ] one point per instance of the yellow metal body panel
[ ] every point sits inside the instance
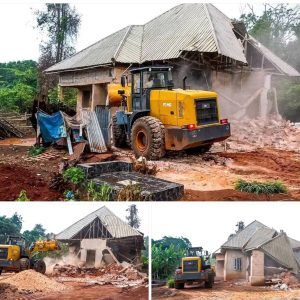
(177, 107)
(113, 97)
(13, 252)
(189, 259)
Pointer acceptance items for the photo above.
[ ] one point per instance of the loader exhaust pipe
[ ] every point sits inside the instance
(183, 83)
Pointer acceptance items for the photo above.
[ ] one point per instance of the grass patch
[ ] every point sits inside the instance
(36, 150)
(171, 283)
(255, 187)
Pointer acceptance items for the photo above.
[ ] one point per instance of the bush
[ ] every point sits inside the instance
(272, 187)
(74, 175)
(98, 193)
(171, 283)
(36, 150)
(22, 197)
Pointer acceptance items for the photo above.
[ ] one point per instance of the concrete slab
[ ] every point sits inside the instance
(118, 174)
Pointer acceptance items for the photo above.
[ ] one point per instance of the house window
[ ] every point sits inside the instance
(238, 264)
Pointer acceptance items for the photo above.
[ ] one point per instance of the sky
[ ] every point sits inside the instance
(208, 224)
(20, 38)
(57, 216)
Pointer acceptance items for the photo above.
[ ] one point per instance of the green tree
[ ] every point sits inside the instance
(10, 226)
(37, 233)
(61, 24)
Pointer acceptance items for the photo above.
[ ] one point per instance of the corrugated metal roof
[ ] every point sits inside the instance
(186, 27)
(97, 54)
(280, 249)
(94, 132)
(242, 237)
(260, 236)
(115, 226)
(274, 59)
(294, 243)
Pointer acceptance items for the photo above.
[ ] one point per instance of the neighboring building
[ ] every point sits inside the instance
(102, 237)
(198, 41)
(256, 253)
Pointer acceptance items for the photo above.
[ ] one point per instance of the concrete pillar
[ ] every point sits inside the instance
(98, 95)
(98, 258)
(83, 254)
(257, 276)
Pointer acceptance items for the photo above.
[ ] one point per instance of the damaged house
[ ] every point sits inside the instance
(255, 253)
(199, 42)
(103, 238)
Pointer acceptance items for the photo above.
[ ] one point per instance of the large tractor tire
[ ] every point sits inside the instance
(148, 138)
(0, 272)
(199, 150)
(24, 264)
(40, 266)
(119, 134)
(179, 285)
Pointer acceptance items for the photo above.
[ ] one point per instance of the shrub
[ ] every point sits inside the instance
(74, 175)
(98, 193)
(272, 187)
(36, 150)
(22, 197)
(131, 192)
(171, 283)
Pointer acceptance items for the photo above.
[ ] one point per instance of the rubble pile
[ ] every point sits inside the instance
(250, 135)
(119, 275)
(285, 281)
(30, 281)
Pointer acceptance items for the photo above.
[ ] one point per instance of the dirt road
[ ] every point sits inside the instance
(99, 293)
(208, 177)
(224, 291)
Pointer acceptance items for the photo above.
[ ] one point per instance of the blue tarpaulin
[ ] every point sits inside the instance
(52, 126)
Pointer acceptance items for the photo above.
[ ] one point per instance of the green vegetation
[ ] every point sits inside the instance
(272, 187)
(74, 175)
(36, 150)
(22, 197)
(171, 282)
(98, 193)
(166, 255)
(18, 82)
(278, 28)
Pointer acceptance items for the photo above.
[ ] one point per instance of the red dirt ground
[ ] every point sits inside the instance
(14, 179)
(224, 290)
(100, 293)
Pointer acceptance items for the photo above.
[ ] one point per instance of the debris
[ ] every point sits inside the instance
(249, 135)
(7, 130)
(141, 165)
(32, 281)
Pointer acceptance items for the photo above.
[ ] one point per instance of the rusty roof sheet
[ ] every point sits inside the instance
(115, 226)
(187, 27)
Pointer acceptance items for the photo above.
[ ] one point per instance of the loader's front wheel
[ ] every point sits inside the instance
(40, 266)
(0, 272)
(209, 284)
(148, 138)
(24, 264)
(119, 134)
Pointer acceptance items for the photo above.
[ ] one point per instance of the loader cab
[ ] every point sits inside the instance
(146, 79)
(17, 241)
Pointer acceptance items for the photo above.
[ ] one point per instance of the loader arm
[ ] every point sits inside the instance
(44, 246)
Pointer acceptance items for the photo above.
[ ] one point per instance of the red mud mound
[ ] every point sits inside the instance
(15, 178)
(283, 165)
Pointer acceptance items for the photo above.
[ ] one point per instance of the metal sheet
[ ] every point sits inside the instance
(116, 227)
(94, 132)
(103, 116)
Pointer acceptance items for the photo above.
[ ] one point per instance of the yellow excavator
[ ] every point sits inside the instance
(16, 257)
(154, 117)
